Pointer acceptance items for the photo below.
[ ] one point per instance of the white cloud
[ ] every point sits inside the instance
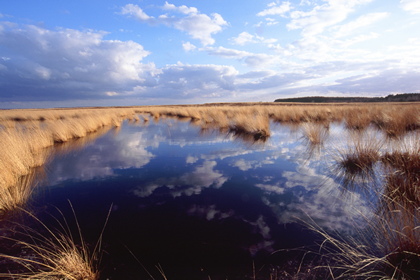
(136, 11)
(184, 81)
(275, 9)
(244, 38)
(67, 63)
(322, 16)
(361, 22)
(188, 47)
(254, 60)
(411, 6)
(182, 9)
(199, 26)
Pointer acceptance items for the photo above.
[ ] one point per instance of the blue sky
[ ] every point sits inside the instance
(113, 52)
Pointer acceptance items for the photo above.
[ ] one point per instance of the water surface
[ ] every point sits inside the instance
(200, 203)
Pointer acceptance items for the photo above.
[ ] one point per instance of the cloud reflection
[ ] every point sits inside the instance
(102, 157)
(191, 183)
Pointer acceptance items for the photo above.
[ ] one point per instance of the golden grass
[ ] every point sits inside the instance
(14, 198)
(355, 164)
(315, 135)
(55, 254)
(24, 135)
(389, 246)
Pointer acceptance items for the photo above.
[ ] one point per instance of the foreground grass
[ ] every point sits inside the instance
(51, 253)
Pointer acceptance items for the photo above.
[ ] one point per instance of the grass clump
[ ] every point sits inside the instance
(356, 164)
(314, 136)
(54, 254)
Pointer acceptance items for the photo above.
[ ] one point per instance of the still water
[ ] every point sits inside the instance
(200, 204)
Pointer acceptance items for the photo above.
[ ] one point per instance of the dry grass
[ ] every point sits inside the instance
(355, 164)
(315, 135)
(25, 135)
(389, 246)
(54, 254)
(14, 198)
(395, 119)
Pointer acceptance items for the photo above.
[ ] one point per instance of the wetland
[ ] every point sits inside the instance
(212, 192)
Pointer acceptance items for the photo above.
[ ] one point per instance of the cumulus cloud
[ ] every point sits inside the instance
(199, 26)
(243, 38)
(42, 64)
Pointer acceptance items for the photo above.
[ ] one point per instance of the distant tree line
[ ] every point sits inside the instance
(404, 97)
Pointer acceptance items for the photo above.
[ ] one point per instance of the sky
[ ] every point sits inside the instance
(59, 53)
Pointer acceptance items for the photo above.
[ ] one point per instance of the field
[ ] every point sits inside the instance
(29, 138)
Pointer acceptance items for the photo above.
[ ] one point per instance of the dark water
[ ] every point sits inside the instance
(198, 204)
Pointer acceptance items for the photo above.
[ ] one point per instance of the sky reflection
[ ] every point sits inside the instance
(216, 178)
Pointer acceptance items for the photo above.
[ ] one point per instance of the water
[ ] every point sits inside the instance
(199, 204)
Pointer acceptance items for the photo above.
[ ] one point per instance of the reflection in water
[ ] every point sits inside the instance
(195, 201)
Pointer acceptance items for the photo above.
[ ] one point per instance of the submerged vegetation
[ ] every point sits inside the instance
(389, 167)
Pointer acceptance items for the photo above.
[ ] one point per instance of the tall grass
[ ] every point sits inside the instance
(14, 198)
(24, 135)
(54, 253)
(389, 246)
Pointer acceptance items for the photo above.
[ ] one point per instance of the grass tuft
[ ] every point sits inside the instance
(54, 253)
(355, 165)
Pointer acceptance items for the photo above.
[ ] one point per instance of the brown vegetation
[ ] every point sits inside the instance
(48, 253)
